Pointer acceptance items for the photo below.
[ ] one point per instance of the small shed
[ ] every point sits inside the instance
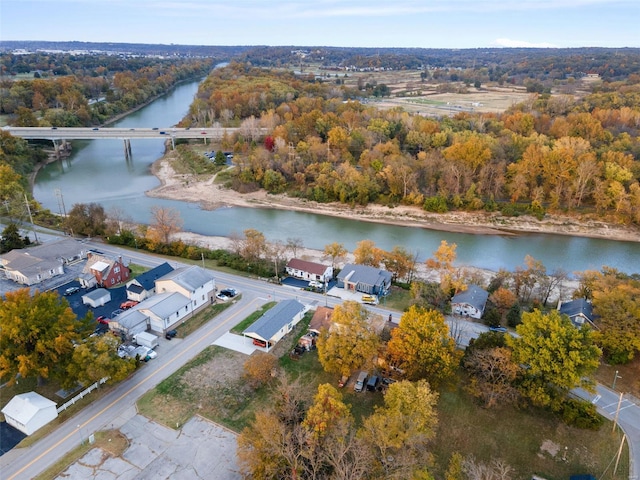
(97, 298)
(28, 412)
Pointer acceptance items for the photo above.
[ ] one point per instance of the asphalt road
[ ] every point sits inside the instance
(72, 133)
(608, 403)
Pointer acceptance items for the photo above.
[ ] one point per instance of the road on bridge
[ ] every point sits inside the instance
(96, 133)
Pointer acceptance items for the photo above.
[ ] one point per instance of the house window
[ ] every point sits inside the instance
(203, 298)
(117, 269)
(113, 281)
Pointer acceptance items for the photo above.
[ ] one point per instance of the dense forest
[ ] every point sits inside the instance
(550, 153)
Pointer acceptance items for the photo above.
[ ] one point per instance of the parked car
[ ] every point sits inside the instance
(221, 297)
(343, 381)
(315, 284)
(498, 329)
(103, 320)
(229, 292)
(370, 299)
(372, 383)
(128, 304)
(71, 291)
(170, 334)
(360, 382)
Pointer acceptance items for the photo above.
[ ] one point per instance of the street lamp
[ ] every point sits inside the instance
(616, 377)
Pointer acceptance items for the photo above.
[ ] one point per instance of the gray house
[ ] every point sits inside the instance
(470, 302)
(365, 279)
(276, 323)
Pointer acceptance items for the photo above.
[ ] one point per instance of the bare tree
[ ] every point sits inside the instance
(294, 244)
(118, 219)
(277, 251)
(165, 222)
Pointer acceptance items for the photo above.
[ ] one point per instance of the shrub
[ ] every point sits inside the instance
(580, 414)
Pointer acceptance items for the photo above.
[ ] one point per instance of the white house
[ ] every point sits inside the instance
(276, 323)
(193, 282)
(165, 310)
(309, 270)
(470, 302)
(130, 321)
(97, 298)
(28, 412)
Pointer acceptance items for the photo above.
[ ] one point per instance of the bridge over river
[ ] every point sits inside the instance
(60, 135)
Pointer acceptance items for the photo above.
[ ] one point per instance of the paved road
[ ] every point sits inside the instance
(117, 406)
(72, 133)
(608, 402)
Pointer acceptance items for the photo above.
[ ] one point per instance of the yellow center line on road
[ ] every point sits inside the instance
(196, 344)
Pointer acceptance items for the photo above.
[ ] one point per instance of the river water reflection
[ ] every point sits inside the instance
(97, 172)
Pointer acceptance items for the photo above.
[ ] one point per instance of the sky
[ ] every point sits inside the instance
(340, 23)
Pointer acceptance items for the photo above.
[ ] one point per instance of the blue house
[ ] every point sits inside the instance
(365, 279)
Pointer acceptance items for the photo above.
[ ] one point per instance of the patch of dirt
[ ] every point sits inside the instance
(550, 448)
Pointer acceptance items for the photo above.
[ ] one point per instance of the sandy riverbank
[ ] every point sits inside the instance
(204, 191)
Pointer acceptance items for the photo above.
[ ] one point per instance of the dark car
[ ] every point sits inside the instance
(71, 291)
(229, 292)
(154, 128)
(170, 334)
(96, 129)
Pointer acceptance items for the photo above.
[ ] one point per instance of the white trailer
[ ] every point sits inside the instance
(145, 339)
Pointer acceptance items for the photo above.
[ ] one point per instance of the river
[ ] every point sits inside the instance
(98, 172)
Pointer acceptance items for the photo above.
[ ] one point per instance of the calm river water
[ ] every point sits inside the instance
(97, 172)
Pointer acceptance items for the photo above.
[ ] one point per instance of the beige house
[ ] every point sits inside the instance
(193, 282)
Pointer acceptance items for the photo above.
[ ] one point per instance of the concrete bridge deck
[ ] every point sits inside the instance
(89, 133)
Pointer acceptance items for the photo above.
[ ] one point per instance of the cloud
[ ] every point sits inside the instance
(509, 43)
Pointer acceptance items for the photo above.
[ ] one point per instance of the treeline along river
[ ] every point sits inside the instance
(98, 172)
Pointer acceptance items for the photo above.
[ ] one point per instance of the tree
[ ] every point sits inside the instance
(400, 263)
(442, 261)
(503, 299)
(556, 356)
(220, 158)
(88, 220)
(11, 238)
(493, 375)
(398, 432)
(294, 244)
(336, 252)
(165, 222)
(253, 246)
(351, 343)
(422, 347)
(366, 253)
(259, 368)
(328, 412)
(616, 301)
(96, 358)
(38, 334)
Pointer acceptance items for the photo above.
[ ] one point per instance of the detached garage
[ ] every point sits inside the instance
(28, 412)
(97, 298)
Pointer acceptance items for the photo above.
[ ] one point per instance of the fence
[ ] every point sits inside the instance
(82, 394)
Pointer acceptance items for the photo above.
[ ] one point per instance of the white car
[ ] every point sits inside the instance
(314, 284)
(221, 297)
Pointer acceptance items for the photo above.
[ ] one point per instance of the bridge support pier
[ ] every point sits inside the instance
(173, 143)
(127, 149)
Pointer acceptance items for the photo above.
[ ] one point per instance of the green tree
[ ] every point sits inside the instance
(87, 219)
(96, 358)
(422, 346)
(220, 159)
(556, 356)
(38, 334)
(11, 238)
(351, 343)
(398, 432)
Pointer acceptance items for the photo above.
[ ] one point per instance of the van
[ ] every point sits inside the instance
(370, 299)
(362, 378)
(372, 383)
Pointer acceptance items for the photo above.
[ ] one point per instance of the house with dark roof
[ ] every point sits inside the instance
(579, 311)
(144, 285)
(310, 271)
(276, 323)
(30, 266)
(470, 302)
(364, 279)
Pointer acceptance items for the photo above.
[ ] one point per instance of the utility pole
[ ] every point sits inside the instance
(615, 420)
(31, 218)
